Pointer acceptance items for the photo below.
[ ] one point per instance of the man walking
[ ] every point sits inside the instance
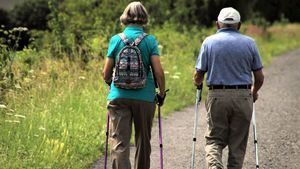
(228, 58)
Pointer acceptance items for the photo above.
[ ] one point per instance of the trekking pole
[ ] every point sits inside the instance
(160, 136)
(198, 99)
(106, 142)
(160, 139)
(255, 137)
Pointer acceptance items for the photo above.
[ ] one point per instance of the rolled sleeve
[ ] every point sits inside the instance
(201, 63)
(256, 62)
(112, 46)
(154, 46)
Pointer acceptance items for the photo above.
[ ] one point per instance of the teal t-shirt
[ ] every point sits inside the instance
(148, 47)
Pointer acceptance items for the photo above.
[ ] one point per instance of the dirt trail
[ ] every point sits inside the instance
(278, 125)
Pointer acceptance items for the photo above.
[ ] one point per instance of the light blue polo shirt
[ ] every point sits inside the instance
(148, 47)
(228, 58)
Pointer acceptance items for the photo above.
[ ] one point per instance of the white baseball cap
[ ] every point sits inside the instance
(229, 15)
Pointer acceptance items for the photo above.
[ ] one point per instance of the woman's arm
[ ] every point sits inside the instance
(108, 70)
(159, 74)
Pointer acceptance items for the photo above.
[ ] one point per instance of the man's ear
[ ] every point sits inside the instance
(239, 25)
(218, 26)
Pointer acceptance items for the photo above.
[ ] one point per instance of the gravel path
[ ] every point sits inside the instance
(277, 118)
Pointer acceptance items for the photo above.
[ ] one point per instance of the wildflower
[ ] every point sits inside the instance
(12, 121)
(42, 128)
(175, 77)
(20, 116)
(81, 77)
(9, 114)
(17, 86)
(43, 73)
(2, 106)
(20, 29)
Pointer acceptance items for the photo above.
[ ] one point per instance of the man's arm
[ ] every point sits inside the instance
(159, 74)
(258, 82)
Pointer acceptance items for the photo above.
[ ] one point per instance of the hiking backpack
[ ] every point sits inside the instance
(129, 68)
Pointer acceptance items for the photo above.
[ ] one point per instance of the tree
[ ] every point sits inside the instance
(31, 14)
(4, 19)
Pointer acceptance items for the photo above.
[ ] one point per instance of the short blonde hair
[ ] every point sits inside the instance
(134, 13)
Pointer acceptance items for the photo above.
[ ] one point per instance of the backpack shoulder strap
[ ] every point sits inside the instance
(139, 39)
(124, 39)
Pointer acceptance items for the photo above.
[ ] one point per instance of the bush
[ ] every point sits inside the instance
(7, 57)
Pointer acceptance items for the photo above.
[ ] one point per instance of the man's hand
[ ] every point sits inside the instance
(255, 96)
(198, 78)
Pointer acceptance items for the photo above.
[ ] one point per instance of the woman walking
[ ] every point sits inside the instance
(132, 101)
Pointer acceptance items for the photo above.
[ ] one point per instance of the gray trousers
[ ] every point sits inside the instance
(229, 113)
(122, 113)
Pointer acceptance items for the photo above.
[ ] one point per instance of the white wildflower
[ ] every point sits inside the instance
(42, 128)
(175, 77)
(12, 121)
(9, 114)
(20, 116)
(81, 78)
(2, 106)
(20, 29)
(17, 86)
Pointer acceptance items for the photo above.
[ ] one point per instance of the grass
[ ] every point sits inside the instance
(56, 116)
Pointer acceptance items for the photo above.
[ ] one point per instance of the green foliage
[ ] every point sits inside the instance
(74, 24)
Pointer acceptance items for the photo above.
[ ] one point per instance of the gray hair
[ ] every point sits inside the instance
(134, 13)
(227, 25)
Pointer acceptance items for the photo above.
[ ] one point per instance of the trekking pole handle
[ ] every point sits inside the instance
(200, 86)
(199, 91)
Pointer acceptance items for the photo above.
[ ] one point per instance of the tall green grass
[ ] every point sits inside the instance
(56, 117)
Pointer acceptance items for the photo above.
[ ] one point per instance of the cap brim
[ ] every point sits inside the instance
(229, 22)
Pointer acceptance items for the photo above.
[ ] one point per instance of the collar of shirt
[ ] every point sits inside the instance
(133, 28)
(227, 30)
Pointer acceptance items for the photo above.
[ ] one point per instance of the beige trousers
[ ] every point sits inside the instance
(122, 113)
(229, 113)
